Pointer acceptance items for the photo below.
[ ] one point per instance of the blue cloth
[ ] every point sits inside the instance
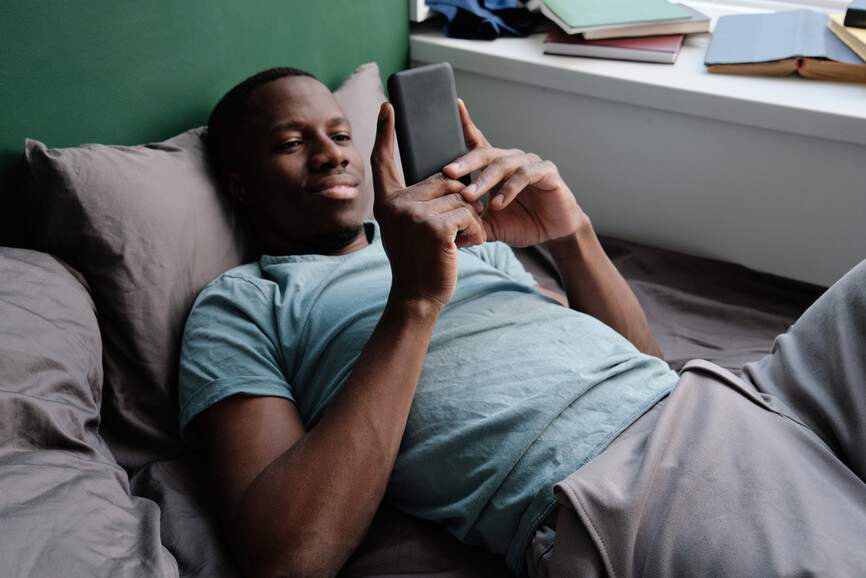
(516, 393)
(483, 19)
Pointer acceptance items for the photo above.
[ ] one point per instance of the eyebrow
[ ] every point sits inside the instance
(294, 124)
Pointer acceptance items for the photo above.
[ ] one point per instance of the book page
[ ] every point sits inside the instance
(775, 68)
(829, 70)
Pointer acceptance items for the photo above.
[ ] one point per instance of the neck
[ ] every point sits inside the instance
(344, 241)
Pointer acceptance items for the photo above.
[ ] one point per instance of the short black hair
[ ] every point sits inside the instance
(228, 114)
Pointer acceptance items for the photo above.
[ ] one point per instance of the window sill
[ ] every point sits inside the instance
(823, 109)
(765, 172)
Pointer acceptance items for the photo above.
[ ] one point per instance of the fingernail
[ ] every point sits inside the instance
(452, 167)
(470, 189)
(382, 114)
(499, 200)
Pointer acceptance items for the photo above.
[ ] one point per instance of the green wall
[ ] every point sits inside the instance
(126, 72)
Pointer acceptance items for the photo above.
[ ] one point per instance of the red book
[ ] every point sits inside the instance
(664, 49)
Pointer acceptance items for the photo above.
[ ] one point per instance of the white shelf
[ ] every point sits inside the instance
(418, 11)
(815, 108)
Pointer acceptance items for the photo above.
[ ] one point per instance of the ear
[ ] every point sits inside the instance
(237, 188)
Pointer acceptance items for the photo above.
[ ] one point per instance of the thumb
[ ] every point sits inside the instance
(386, 180)
(472, 136)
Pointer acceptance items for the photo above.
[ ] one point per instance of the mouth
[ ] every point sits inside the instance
(339, 187)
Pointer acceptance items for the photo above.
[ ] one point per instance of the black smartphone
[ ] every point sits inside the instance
(429, 131)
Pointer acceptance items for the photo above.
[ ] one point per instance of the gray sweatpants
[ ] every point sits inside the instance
(758, 475)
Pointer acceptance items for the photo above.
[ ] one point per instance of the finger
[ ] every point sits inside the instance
(432, 209)
(386, 180)
(472, 136)
(433, 187)
(464, 226)
(497, 171)
(447, 203)
(475, 160)
(542, 175)
(454, 218)
(474, 141)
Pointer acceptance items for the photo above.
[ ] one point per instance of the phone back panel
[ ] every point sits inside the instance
(428, 125)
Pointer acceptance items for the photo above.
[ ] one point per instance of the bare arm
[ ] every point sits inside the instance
(299, 502)
(593, 285)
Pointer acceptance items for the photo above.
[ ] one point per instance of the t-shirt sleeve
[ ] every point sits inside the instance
(500, 256)
(230, 346)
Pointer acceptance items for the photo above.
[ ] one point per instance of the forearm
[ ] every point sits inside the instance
(594, 286)
(311, 506)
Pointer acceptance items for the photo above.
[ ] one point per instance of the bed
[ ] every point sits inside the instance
(106, 245)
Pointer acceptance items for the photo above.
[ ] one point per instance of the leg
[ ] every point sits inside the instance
(721, 482)
(818, 369)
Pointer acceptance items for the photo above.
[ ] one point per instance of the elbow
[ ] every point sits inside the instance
(650, 347)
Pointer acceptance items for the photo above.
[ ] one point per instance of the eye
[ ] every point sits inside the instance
(290, 144)
(342, 137)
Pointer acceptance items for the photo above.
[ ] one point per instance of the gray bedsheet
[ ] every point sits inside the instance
(67, 507)
(699, 308)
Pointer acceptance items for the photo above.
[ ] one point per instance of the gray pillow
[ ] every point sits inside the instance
(360, 97)
(65, 503)
(148, 228)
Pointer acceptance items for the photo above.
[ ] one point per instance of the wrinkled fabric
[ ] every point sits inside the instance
(516, 391)
(759, 476)
(483, 19)
(724, 480)
(696, 307)
(65, 503)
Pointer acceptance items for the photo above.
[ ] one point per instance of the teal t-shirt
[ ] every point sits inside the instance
(516, 393)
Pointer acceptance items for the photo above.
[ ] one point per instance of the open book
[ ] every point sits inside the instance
(781, 43)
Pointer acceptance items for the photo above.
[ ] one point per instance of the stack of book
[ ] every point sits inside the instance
(642, 30)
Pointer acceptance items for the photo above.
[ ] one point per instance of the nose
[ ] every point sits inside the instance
(328, 154)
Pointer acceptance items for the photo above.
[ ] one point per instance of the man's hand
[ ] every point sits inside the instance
(529, 201)
(422, 225)
(530, 204)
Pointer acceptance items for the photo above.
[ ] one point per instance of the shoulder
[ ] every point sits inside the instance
(239, 293)
(247, 274)
(245, 280)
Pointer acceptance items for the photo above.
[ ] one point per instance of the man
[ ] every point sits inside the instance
(412, 360)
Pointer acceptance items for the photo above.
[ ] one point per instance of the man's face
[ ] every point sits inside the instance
(302, 177)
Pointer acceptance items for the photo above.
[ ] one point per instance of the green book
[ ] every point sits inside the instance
(589, 13)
